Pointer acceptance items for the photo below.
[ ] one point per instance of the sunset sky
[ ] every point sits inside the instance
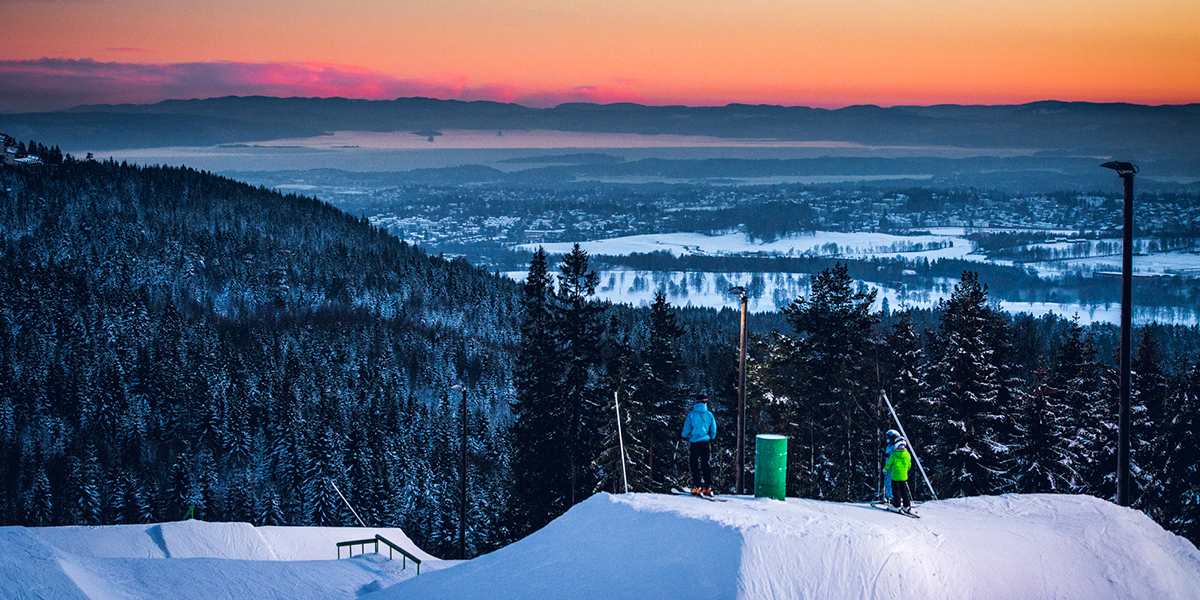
(57, 53)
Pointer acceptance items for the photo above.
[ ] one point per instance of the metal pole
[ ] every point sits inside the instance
(911, 446)
(1126, 171)
(1126, 333)
(741, 417)
(352, 511)
(462, 481)
(620, 438)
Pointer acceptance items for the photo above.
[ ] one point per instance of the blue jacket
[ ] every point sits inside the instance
(699, 425)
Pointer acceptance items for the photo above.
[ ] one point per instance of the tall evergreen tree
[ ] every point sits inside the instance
(966, 448)
(1175, 491)
(580, 331)
(538, 458)
(661, 395)
(624, 453)
(1150, 390)
(825, 387)
(901, 372)
(1043, 455)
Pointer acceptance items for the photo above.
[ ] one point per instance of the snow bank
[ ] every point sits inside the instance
(655, 546)
(224, 560)
(199, 539)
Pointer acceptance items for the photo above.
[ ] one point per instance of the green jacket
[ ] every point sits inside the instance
(897, 465)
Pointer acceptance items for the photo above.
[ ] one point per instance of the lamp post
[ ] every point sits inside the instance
(740, 292)
(1126, 171)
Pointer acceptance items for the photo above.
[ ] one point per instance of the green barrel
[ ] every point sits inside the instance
(770, 466)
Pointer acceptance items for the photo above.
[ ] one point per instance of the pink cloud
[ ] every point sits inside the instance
(55, 83)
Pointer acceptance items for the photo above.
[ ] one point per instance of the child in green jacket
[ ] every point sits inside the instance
(896, 469)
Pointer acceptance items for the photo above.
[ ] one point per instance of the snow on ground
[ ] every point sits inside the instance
(938, 243)
(772, 291)
(654, 546)
(859, 244)
(1186, 264)
(223, 560)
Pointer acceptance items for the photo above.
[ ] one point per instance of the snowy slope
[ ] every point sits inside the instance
(223, 560)
(654, 546)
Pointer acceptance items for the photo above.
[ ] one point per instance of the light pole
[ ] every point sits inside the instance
(740, 292)
(1126, 171)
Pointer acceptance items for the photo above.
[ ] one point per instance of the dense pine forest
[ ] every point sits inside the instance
(177, 344)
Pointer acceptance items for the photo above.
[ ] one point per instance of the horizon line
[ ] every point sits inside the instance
(881, 106)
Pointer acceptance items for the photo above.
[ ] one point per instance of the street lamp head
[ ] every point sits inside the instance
(1124, 169)
(738, 291)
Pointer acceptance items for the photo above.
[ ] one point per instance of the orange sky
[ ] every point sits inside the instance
(661, 51)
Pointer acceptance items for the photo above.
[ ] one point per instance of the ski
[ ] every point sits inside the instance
(889, 508)
(682, 492)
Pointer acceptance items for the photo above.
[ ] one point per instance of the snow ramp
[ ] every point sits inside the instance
(196, 560)
(654, 546)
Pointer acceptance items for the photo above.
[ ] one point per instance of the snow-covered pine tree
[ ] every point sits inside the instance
(83, 488)
(659, 394)
(965, 448)
(619, 359)
(325, 465)
(834, 386)
(538, 461)
(270, 511)
(1151, 388)
(580, 330)
(901, 374)
(1175, 490)
(39, 503)
(1010, 391)
(1043, 458)
(1074, 380)
(180, 488)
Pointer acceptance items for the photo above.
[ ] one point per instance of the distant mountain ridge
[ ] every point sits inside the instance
(1076, 127)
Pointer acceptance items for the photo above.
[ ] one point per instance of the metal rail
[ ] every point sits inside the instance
(392, 547)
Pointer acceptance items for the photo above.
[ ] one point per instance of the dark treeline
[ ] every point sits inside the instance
(994, 404)
(174, 343)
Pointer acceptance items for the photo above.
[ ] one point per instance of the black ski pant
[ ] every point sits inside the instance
(698, 462)
(901, 493)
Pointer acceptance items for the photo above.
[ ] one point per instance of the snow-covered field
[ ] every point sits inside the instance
(194, 559)
(817, 243)
(773, 291)
(645, 546)
(938, 243)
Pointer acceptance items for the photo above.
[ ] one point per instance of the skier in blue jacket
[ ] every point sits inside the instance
(700, 428)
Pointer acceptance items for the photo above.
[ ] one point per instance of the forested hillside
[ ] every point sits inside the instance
(171, 341)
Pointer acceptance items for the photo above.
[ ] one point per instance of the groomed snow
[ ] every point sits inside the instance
(654, 546)
(222, 560)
